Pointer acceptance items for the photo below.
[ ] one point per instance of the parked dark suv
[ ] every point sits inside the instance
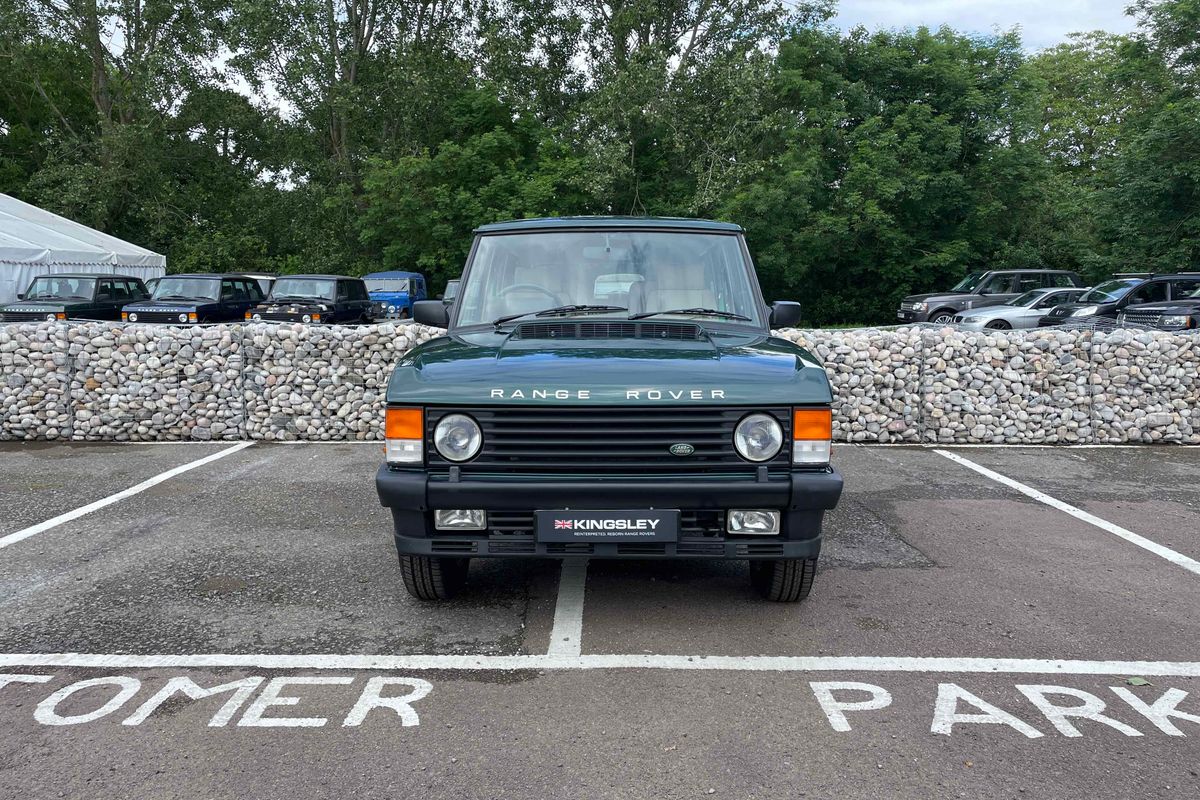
(1108, 300)
(198, 298)
(316, 298)
(75, 296)
(981, 289)
(1180, 313)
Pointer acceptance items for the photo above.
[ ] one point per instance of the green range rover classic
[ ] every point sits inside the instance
(608, 388)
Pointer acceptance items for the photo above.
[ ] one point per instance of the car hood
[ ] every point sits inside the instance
(1181, 306)
(1065, 309)
(997, 312)
(298, 307)
(44, 306)
(168, 305)
(489, 368)
(389, 297)
(939, 296)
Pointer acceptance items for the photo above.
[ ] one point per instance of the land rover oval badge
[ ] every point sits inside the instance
(682, 449)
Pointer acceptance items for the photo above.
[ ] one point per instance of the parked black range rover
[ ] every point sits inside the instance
(75, 296)
(316, 298)
(980, 289)
(194, 299)
(1107, 300)
(1180, 313)
(608, 388)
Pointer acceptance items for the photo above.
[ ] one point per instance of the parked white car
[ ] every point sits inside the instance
(1023, 312)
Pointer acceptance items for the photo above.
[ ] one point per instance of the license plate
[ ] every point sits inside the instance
(608, 526)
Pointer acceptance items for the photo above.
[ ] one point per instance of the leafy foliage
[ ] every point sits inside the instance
(350, 135)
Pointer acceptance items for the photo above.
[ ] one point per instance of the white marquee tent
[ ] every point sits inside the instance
(35, 242)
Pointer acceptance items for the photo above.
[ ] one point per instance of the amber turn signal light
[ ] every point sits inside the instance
(812, 423)
(404, 423)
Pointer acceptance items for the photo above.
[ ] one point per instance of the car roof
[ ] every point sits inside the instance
(87, 275)
(664, 223)
(1050, 271)
(324, 277)
(393, 273)
(208, 275)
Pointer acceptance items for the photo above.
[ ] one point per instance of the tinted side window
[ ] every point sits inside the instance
(1030, 280)
(1184, 288)
(228, 291)
(343, 291)
(120, 291)
(1149, 293)
(1056, 280)
(104, 290)
(248, 290)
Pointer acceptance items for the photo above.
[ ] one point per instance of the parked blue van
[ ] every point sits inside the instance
(394, 292)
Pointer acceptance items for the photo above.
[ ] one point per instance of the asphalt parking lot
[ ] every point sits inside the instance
(966, 637)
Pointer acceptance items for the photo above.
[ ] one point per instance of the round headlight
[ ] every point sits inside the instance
(258, 317)
(758, 437)
(306, 318)
(391, 309)
(183, 317)
(457, 437)
(133, 317)
(50, 317)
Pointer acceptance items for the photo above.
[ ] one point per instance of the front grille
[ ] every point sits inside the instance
(605, 440)
(607, 330)
(159, 316)
(277, 316)
(23, 316)
(1146, 319)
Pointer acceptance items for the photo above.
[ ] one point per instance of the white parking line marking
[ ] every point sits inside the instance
(999, 666)
(566, 636)
(1179, 559)
(41, 527)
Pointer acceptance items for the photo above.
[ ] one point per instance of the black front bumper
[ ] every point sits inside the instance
(802, 497)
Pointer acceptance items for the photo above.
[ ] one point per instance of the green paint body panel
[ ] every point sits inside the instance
(739, 368)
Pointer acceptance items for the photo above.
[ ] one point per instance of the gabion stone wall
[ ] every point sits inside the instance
(109, 382)
(1050, 386)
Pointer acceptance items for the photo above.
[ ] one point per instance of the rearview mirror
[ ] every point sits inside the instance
(784, 314)
(431, 312)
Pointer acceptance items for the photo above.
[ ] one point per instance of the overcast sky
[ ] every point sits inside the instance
(1043, 23)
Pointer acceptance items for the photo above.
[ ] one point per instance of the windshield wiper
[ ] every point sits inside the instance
(558, 311)
(175, 297)
(699, 312)
(282, 297)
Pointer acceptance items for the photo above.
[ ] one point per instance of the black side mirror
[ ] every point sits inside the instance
(431, 312)
(20, 295)
(784, 314)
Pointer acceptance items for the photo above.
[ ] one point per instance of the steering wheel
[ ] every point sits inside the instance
(527, 287)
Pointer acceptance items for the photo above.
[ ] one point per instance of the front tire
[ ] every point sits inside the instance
(942, 317)
(433, 579)
(998, 325)
(787, 580)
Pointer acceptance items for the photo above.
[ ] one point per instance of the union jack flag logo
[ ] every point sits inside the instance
(560, 524)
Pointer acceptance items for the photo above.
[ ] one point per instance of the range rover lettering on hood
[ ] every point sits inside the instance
(586, 394)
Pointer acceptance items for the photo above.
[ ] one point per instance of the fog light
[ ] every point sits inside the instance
(460, 519)
(759, 522)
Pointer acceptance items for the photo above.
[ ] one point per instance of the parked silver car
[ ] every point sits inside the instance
(1023, 312)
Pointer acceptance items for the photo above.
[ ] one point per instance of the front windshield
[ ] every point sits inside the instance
(1109, 292)
(50, 287)
(303, 288)
(187, 289)
(387, 284)
(969, 283)
(1029, 298)
(641, 271)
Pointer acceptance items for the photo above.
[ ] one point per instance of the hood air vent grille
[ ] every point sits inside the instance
(607, 330)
